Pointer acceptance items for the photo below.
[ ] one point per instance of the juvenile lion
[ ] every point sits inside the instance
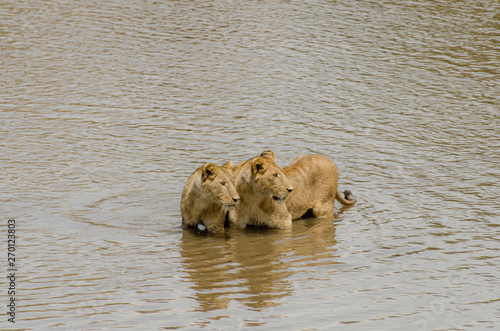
(315, 180)
(207, 196)
(263, 188)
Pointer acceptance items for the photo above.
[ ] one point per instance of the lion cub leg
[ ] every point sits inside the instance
(214, 219)
(236, 221)
(283, 219)
(324, 210)
(273, 215)
(284, 222)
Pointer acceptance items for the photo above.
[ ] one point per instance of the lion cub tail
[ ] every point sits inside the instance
(347, 199)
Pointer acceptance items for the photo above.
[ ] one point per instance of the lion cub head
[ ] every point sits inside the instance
(270, 179)
(218, 186)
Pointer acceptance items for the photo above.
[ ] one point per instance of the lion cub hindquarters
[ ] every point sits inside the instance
(263, 188)
(207, 196)
(315, 179)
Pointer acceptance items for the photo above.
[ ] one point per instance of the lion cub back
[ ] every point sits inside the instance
(315, 179)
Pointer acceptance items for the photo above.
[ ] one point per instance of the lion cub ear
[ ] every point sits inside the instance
(259, 165)
(208, 171)
(268, 153)
(228, 165)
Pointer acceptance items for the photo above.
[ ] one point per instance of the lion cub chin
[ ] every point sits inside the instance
(263, 188)
(207, 196)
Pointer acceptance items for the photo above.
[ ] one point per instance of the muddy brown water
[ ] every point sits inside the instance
(106, 108)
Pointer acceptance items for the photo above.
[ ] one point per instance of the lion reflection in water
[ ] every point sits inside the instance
(254, 267)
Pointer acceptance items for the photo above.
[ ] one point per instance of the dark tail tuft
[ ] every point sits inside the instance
(348, 195)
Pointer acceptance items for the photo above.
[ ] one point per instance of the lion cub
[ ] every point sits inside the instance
(315, 179)
(207, 196)
(263, 188)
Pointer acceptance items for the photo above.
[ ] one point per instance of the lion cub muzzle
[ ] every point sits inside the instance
(282, 198)
(231, 205)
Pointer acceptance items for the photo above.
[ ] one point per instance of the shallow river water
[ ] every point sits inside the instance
(107, 107)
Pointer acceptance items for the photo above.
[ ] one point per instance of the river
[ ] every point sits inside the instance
(107, 107)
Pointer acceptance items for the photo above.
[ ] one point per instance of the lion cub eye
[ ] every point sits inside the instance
(276, 175)
(223, 183)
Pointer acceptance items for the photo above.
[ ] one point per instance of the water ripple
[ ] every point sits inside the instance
(107, 108)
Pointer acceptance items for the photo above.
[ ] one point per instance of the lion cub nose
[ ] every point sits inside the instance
(236, 199)
(290, 189)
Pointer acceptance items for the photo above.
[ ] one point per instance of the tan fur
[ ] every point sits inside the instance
(315, 180)
(207, 196)
(263, 188)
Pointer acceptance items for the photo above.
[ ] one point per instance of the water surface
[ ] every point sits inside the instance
(106, 108)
